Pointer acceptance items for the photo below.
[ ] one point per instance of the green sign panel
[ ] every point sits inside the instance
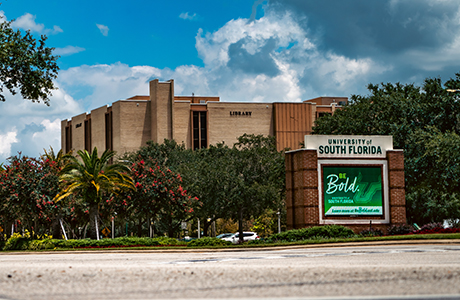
(352, 190)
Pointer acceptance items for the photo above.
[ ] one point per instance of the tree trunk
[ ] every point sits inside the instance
(56, 228)
(34, 231)
(139, 228)
(170, 227)
(93, 219)
(205, 227)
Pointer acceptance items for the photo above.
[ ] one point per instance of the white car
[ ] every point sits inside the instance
(247, 236)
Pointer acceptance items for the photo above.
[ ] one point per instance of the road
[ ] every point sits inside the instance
(397, 270)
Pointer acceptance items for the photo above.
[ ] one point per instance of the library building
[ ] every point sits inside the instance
(195, 121)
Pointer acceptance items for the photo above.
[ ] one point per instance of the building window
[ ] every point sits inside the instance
(199, 129)
(68, 138)
(88, 135)
(108, 131)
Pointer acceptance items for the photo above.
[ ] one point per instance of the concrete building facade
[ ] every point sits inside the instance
(195, 121)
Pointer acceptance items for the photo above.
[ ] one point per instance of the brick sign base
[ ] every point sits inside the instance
(302, 191)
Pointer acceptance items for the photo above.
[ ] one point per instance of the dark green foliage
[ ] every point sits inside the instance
(400, 229)
(21, 243)
(371, 232)
(425, 123)
(26, 64)
(327, 231)
(17, 242)
(208, 241)
(239, 182)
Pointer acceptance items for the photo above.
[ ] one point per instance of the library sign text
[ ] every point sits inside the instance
(240, 113)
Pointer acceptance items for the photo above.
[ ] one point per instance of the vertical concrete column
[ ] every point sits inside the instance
(153, 86)
(302, 188)
(396, 187)
(162, 110)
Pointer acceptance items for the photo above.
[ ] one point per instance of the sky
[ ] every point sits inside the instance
(239, 50)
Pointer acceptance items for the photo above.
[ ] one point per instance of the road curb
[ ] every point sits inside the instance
(242, 249)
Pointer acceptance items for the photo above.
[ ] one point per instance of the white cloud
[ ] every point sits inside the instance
(35, 125)
(57, 29)
(68, 50)
(292, 68)
(27, 22)
(49, 136)
(2, 17)
(274, 59)
(103, 29)
(5, 146)
(190, 17)
(107, 83)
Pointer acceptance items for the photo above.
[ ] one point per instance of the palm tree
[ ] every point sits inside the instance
(60, 159)
(56, 161)
(90, 178)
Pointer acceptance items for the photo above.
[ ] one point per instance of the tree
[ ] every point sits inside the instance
(237, 182)
(55, 163)
(435, 196)
(208, 176)
(423, 121)
(26, 64)
(27, 188)
(169, 154)
(159, 194)
(259, 174)
(91, 179)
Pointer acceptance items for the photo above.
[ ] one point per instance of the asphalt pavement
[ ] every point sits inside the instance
(372, 271)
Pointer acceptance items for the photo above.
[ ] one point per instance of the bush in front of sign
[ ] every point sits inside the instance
(371, 232)
(400, 229)
(327, 231)
(208, 241)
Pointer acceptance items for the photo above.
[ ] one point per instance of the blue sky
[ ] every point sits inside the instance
(240, 50)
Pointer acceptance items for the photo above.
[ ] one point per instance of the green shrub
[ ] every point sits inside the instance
(118, 242)
(371, 232)
(400, 229)
(44, 244)
(207, 241)
(327, 231)
(17, 242)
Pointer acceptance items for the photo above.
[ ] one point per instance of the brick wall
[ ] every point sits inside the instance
(396, 185)
(302, 188)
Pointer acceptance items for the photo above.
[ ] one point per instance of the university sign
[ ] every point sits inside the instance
(345, 179)
(355, 146)
(352, 177)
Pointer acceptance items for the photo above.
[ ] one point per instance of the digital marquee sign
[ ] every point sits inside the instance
(352, 190)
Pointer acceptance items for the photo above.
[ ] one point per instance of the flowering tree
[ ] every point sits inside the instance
(27, 188)
(158, 195)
